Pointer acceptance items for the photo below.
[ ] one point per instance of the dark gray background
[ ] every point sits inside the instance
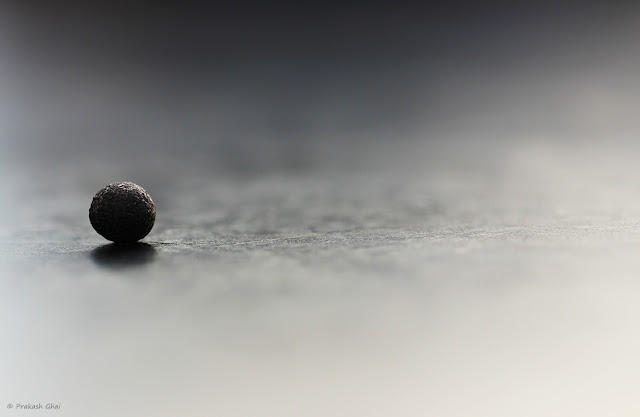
(361, 211)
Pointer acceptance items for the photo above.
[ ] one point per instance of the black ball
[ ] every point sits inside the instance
(122, 212)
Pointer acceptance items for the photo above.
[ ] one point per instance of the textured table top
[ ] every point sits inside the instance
(461, 282)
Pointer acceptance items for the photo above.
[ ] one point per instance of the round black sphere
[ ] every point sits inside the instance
(122, 212)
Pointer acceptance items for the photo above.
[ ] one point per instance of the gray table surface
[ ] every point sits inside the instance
(442, 279)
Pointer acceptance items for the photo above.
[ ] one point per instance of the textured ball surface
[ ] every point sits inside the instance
(122, 212)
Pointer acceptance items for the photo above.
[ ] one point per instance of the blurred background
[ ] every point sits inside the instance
(362, 210)
(97, 91)
(257, 88)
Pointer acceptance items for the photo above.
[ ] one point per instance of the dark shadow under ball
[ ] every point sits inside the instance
(123, 255)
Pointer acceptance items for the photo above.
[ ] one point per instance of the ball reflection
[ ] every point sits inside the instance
(121, 256)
